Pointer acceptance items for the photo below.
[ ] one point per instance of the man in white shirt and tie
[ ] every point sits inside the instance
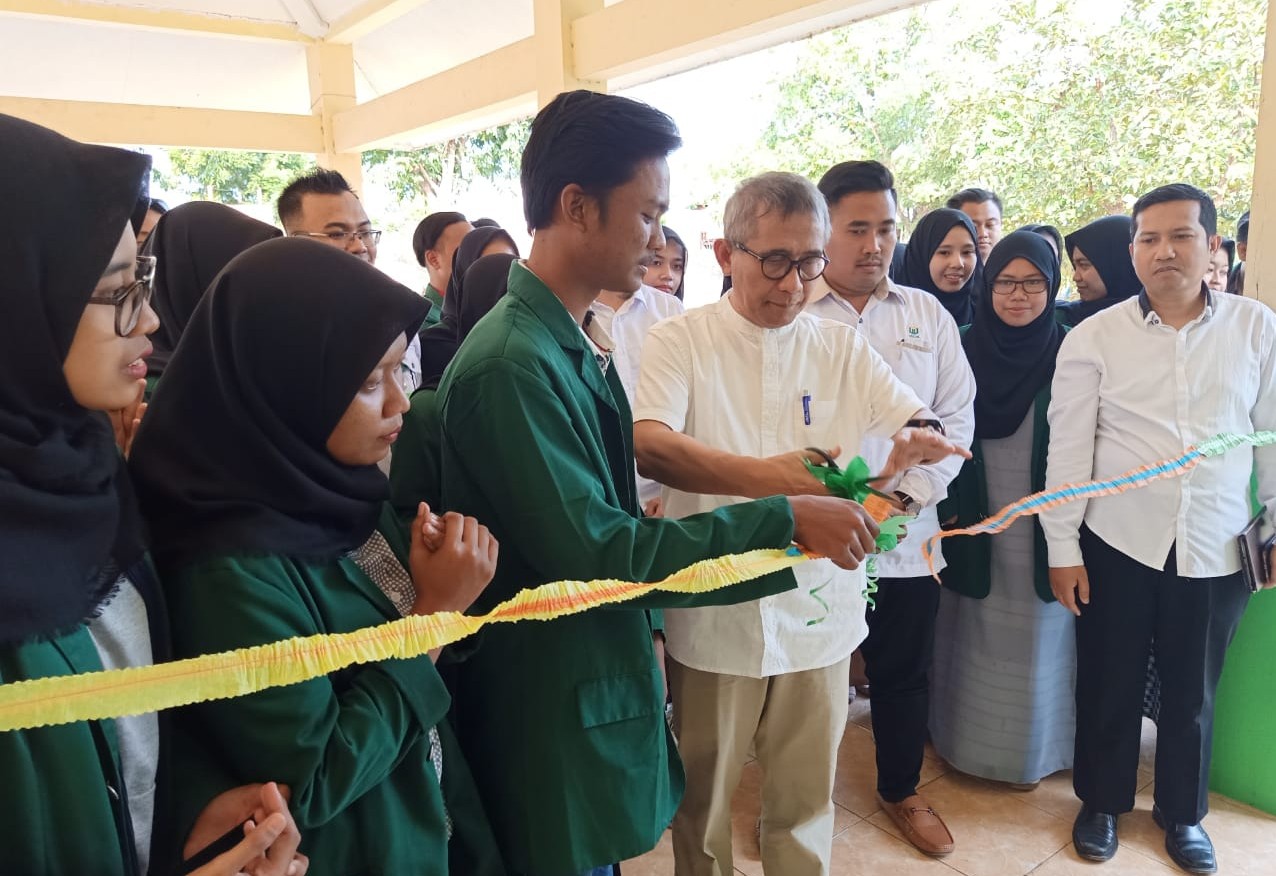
(729, 396)
(1157, 567)
(910, 329)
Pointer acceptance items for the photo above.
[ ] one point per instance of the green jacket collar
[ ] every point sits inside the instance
(540, 300)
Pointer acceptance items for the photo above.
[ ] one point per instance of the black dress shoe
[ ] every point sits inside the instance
(1094, 834)
(1188, 845)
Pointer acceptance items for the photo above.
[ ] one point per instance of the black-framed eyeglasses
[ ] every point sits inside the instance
(130, 300)
(367, 237)
(778, 265)
(1032, 285)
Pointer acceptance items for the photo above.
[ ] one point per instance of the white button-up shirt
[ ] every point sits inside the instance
(737, 387)
(1129, 390)
(628, 326)
(920, 341)
(410, 371)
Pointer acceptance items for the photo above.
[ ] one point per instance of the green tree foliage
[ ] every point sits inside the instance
(439, 172)
(1069, 110)
(232, 177)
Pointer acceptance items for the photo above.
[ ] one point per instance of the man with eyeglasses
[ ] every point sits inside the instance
(321, 205)
(733, 400)
(922, 345)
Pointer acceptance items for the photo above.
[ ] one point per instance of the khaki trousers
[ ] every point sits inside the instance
(794, 723)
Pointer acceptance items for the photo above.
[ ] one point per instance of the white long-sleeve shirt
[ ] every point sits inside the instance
(752, 391)
(628, 326)
(1129, 390)
(921, 343)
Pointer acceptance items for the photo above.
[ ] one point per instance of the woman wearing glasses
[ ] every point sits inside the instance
(77, 591)
(1001, 697)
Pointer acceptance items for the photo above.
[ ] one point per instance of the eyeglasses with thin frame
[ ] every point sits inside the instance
(368, 237)
(1031, 286)
(778, 265)
(130, 300)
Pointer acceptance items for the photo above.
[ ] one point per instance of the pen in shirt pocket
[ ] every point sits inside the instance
(806, 406)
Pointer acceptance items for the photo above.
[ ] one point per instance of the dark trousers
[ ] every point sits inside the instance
(897, 657)
(1188, 624)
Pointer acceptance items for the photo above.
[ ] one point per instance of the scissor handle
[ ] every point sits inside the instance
(824, 455)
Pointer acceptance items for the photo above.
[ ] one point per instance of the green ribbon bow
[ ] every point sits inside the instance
(852, 483)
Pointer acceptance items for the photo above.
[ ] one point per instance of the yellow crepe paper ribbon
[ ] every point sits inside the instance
(91, 696)
(64, 699)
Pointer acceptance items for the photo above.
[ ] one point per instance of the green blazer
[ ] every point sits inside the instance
(66, 813)
(353, 745)
(969, 557)
(416, 469)
(435, 298)
(72, 812)
(564, 720)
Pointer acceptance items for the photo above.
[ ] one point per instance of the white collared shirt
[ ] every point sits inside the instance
(734, 386)
(921, 343)
(410, 371)
(629, 325)
(1129, 390)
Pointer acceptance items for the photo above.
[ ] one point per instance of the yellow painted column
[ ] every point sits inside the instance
(1244, 764)
(331, 70)
(555, 56)
(1260, 270)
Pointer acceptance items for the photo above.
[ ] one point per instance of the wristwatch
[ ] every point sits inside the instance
(937, 425)
(911, 506)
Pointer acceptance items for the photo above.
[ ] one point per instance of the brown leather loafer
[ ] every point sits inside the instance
(920, 825)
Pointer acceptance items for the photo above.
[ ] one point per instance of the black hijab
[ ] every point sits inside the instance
(897, 260)
(66, 510)
(1011, 364)
(486, 283)
(1106, 243)
(927, 237)
(191, 244)
(470, 250)
(232, 456)
(1053, 233)
(440, 342)
(671, 235)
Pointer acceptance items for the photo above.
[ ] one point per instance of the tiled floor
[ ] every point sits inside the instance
(999, 831)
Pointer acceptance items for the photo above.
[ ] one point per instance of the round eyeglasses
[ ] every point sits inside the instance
(778, 265)
(130, 300)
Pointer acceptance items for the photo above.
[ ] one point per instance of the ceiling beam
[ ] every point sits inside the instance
(154, 19)
(308, 19)
(631, 42)
(366, 17)
(489, 90)
(138, 125)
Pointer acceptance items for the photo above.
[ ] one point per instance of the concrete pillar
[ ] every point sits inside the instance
(555, 55)
(1260, 270)
(331, 70)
